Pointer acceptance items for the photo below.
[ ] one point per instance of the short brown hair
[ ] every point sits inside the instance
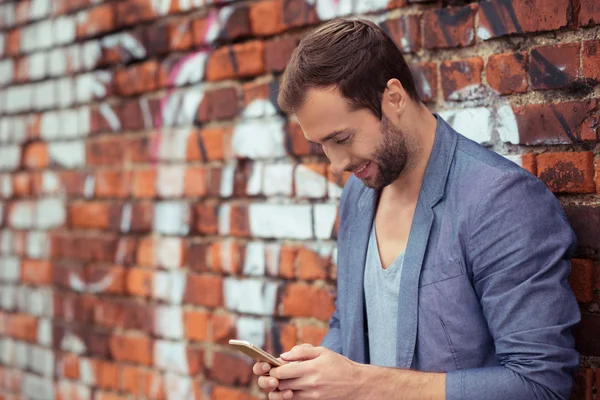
(354, 55)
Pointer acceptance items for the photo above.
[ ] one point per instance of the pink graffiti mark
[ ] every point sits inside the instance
(173, 74)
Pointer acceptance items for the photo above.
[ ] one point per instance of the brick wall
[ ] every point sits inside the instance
(154, 202)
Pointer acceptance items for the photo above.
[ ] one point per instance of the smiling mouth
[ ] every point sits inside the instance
(361, 168)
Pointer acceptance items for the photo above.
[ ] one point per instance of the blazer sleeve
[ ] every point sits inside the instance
(332, 339)
(520, 247)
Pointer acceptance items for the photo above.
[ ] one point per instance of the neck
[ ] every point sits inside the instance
(421, 135)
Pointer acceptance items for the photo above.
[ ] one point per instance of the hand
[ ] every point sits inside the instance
(267, 383)
(315, 373)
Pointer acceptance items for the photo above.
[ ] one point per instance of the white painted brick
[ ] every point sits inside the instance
(19, 130)
(169, 180)
(173, 145)
(21, 354)
(38, 65)
(278, 179)
(227, 180)
(517, 159)
(324, 217)
(259, 108)
(44, 331)
(28, 38)
(7, 351)
(261, 138)
(5, 129)
(251, 329)
(168, 322)
(44, 34)
(69, 119)
(65, 92)
(186, 5)
(228, 257)
(87, 371)
(255, 183)
(69, 390)
(64, 30)
(74, 344)
(57, 62)
(250, 295)
(8, 14)
(50, 125)
(168, 252)
(474, 123)
(38, 388)
(179, 387)
(39, 301)
(110, 116)
(10, 269)
(22, 298)
(38, 245)
(224, 219)
(172, 218)
(85, 86)
(507, 124)
(254, 262)
(45, 95)
(272, 258)
(7, 68)
(282, 221)
(91, 51)
(6, 241)
(84, 116)
(39, 9)
(51, 183)
(22, 214)
(51, 213)
(191, 69)
(170, 356)
(6, 185)
(42, 361)
(309, 183)
(20, 97)
(74, 57)
(334, 191)
(8, 297)
(169, 286)
(68, 154)
(2, 40)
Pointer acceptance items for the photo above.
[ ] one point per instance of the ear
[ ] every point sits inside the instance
(394, 98)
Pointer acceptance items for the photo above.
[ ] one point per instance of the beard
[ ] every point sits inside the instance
(391, 155)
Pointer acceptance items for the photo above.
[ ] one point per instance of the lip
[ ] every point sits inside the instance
(362, 171)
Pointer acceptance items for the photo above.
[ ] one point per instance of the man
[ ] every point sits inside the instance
(453, 262)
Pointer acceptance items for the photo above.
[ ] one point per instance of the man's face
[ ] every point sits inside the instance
(354, 141)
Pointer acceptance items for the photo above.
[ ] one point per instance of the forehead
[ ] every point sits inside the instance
(322, 112)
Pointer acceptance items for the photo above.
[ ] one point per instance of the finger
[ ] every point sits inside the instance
(297, 384)
(268, 382)
(261, 368)
(302, 352)
(291, 370)
(287, 395)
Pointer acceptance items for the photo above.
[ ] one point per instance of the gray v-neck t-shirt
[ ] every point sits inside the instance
(381, 287)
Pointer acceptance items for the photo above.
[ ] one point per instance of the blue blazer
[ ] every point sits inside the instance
(484, 294)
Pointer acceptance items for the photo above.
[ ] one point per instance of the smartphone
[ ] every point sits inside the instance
(255, 352)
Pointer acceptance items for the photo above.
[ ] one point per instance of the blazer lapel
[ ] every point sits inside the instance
(357, 252)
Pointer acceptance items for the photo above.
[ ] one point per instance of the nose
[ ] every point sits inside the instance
(338, 163)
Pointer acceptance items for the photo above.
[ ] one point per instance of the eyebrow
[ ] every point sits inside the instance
(334, 134)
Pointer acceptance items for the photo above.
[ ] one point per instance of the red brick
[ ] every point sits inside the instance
(571, 172)
(287, 261)
(226, 257)
(134, 11)
(587, 340)
(515, 17)
(36, 272)
(142, 382)
(219, 104)
(21, 12)
(216, 142)
(94, 215)
(139, 282)
(231, 369)
(312, 334)
(405, 31)
(22, 184)
(196, 325)
(204, 290)
(583, 383)
(589, 12)
(260, 90)
(105, 152)
(13, 42)
(36, 155)
(22, 327)
(266, 18)
(226, 393)
(237, 25)
(582, 279)
(590, 59)
(112, 183)
(297, 13)
(507, 73)
(248, 61)
(598, 176)
(458, 75)
(180, 35)
(449, 27)
(311, 265)
(223, 328)
(195, 181)
(299, 145)
(136, 79)
(585, 221)
(115, 276)
(21, 69)
(300, 300)
(131, 348)
(552, 123)
(554, 67)
(207, 218)
(97, 20)
(142, 217)
(107, 376)
(213, 181)
(144, 183)
(278, 53)
(529, 162)
(239, 221)
(98, 395)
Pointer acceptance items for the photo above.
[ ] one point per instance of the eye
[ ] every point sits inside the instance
(345, 139)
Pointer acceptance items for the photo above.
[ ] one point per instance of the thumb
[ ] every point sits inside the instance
(302, 353)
